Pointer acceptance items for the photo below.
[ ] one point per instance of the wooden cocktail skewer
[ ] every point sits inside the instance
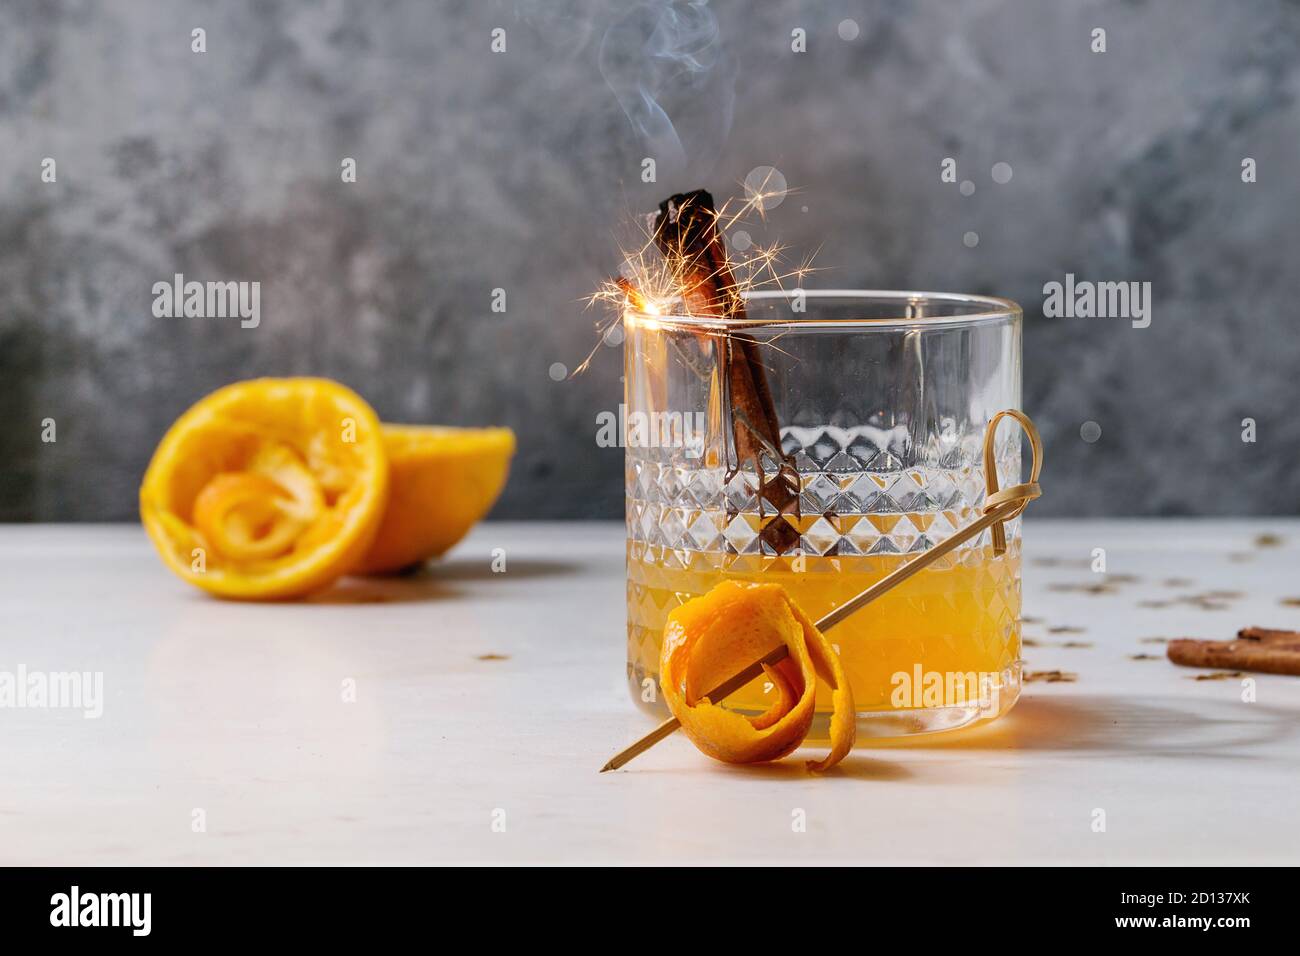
(999, 507)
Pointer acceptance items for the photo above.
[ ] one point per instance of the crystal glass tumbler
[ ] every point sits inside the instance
(882, 400)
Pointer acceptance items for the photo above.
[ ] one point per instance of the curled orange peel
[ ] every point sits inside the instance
(258, 514)
(716, 635)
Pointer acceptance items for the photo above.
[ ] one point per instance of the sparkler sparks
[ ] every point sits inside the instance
(647, 286)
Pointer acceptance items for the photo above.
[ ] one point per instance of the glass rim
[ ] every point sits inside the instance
(987, 310)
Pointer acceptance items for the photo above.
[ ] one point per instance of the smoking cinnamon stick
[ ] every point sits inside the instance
(686, 232)
(1262, 649)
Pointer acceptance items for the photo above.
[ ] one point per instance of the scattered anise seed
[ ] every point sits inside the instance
(1209, 601)
(1099, 588)
(1064, 629)
(1077, 644)
(1145, 657)
(1154, 640)
(1218, 675)
(493, 657)
(1291, 602)
(1050, 677)
(1268, 541)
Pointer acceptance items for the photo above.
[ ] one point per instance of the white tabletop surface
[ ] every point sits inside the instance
(225, 737)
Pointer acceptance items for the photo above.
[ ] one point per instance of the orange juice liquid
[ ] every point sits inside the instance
(961, 616)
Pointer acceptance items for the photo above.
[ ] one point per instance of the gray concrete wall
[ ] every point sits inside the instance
(479, 170)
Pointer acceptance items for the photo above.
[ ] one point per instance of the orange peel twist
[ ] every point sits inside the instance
(710, 638)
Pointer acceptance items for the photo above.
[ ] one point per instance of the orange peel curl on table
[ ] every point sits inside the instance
(710, 638)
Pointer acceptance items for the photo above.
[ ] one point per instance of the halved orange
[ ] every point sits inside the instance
(270, 488)
(442, 481)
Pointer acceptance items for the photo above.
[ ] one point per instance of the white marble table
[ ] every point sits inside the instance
(232, 715)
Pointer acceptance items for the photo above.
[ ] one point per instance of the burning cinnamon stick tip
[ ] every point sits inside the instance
(686, 233)
(686, 219)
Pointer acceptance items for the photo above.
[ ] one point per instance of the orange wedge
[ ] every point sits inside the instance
(265, 489)
(719, 634)
(443, 481)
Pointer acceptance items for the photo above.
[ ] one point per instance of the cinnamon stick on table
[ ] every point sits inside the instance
(686, 232)
(1261, 649)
